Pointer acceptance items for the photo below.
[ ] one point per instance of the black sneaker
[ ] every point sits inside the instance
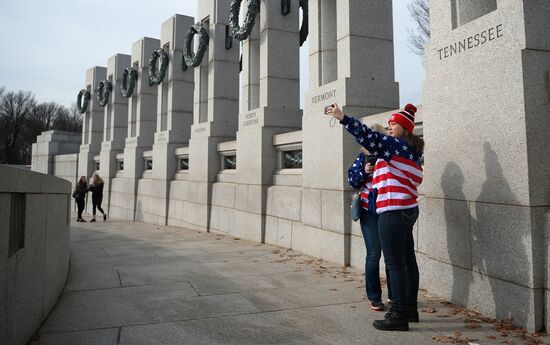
(394, 322)
(83, 220)
(93, 220)
(104, 217)
(376, 305)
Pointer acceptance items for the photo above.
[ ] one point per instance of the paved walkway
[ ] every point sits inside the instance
(136, 283)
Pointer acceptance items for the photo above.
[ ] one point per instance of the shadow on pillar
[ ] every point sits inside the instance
(458, 231)
(489, 260)
(493, 244)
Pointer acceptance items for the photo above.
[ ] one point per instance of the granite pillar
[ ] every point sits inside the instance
(487, 185)
(92, 125)
(174, 119)
(116, 124)
(215, 112)
(351, 63)
(142, 116)
(270, 106)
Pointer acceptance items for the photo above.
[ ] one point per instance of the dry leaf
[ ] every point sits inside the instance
(450, 340)
(472, 325)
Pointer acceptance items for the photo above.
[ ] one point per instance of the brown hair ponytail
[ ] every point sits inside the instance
(415, 141)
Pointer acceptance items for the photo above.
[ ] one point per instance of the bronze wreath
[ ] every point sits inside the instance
(242, 33)
(103, 92)
(304, 30)
(129, 77)
(161, 55)
(80, 105)
(192, 59)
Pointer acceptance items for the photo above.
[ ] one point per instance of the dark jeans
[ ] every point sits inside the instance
(96, 202)
(396, 237)
(80, 206)
(369, 228)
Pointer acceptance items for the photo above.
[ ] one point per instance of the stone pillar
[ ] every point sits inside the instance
(216, 105)
(483, 232)
(359, 76)
(174, 119)
(270, 105)
(142, 115)
(116, 124)
(92, 124)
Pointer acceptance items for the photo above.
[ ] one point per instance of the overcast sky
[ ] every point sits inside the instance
(47, 45)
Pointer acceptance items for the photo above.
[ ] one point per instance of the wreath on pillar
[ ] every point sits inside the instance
(192, 59)
(304, 30)
(82, 104)
(129, 77)
(103, 92)
(242, 33)
(154, 78)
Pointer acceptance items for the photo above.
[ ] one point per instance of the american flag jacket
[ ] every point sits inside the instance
(397, 173)
(359, 179)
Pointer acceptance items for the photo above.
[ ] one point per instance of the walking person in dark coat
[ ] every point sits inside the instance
(79, 194)
(96, 187)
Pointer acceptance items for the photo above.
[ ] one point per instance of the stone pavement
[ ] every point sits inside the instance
(137, 283)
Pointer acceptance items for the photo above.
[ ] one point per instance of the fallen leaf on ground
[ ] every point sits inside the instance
(428, 310)
(472, 325)
(449, 339)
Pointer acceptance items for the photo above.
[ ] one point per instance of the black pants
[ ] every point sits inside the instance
(396, 237)
(80, 206)
(96, 202)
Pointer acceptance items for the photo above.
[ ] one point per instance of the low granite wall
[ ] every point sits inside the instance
(34, 249)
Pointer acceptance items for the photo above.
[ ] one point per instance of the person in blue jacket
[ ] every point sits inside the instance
(360, 178)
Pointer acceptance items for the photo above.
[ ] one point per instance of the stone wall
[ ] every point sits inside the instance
(50, 144)
(65, 167)
(34, 275)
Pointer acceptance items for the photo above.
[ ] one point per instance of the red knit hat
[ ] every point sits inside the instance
(405, 118)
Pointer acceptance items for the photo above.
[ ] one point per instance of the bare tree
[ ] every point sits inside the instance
(68, 119)
(15, 109)
(420, 12)
(22, 120)
(44, 115)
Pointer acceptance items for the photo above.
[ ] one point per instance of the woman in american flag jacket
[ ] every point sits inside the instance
(360, 177)
(397, 175)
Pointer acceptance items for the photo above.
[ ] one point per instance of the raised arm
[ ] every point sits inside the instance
(379, 144)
